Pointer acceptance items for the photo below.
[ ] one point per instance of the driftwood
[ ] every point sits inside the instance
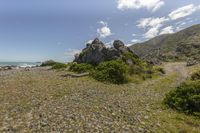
(76, 75)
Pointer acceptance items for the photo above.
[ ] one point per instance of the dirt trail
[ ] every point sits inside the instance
(178, 68)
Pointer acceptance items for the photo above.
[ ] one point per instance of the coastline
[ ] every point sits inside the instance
(18, 65)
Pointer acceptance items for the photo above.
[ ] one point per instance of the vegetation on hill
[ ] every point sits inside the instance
(111, 71)
(180, 46)
(186, 97)
(81, 68)
(54, 65)
(116, 65)
(195, 76)
(48, 63)
(59, 66)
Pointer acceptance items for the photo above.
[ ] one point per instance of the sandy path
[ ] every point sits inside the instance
(178, 68)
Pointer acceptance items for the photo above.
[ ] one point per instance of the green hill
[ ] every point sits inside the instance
(181, 46)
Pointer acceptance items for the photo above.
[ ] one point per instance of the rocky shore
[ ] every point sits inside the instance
(42, 100)
(11, 67)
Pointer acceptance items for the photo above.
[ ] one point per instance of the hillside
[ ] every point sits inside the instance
(180, 46)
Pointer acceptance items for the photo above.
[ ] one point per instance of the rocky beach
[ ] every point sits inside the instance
(42, 100)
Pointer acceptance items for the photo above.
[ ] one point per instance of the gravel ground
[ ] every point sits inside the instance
(41, 100)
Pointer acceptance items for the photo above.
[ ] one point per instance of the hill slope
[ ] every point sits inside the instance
(179, 46)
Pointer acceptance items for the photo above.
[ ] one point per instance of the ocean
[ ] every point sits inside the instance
(20, 64)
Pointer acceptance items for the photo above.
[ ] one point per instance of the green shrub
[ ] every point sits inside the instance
(196, 76)
(48, 63)
(59, 66)
(129, 56)
(160, 69)
(81, 68)
(111, 71)
(135, 69)
(185, 98)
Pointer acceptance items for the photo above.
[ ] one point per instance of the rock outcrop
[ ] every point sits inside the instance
(96, 52)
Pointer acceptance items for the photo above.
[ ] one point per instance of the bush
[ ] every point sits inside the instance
(111, 71)
(59, 66)
(160, 69)
(81, 68)
(185, 98)
(196, 76)
(48, 63)
(135, 69)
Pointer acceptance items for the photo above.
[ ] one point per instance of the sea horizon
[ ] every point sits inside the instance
(19, 63)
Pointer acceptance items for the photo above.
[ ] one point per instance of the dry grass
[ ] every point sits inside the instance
(44, 101)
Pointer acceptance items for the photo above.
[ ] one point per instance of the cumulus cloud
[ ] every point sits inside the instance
(70, 53)
(152, 32)
(152, 25)
(109, 44)
(135, 40)
(104, 31)
(167, 30)
(183, 11)
(128, 45)
(152, 5)
(89, 41)
(151, 22)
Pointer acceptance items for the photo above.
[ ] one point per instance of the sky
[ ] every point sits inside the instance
(38, 30)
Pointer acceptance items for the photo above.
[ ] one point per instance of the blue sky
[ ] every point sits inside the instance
(37, 30)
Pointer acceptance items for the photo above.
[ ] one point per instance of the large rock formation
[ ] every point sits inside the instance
(97, 52)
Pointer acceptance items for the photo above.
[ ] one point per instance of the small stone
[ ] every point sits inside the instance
(146, 117)
(143, 123)
(158, 125)
(140, 129)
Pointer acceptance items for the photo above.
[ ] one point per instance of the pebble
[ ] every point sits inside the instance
(146, 117)
(140, 129)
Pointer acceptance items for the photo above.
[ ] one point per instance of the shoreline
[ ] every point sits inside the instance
(10, 67)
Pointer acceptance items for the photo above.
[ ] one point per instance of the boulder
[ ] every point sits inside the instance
(118, 44)
(96, 52)
(191, 62)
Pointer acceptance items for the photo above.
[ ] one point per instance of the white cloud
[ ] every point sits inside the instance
(183, 11)
(152, 5)
(128, 45)
(104, 31)
(152, 25)
(178, 28)
(89, 41)
(103, 23)
(135, 40)
(109, 44)
(70, 53)
(151, 22)
(152, 32)
(167, 30)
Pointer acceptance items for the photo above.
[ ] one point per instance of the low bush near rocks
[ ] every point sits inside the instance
(48, 63)
(160, 69)
(81, 68)
(59, 66)
(196, 76)
(185, 98)
(111, 71)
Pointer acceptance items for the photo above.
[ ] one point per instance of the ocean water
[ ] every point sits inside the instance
(20, 64)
